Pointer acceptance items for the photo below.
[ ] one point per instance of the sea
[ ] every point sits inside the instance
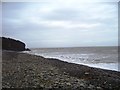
(98, 57)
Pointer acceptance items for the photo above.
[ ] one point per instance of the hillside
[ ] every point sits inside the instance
(12, 44)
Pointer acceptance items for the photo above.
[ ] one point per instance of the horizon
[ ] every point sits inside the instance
(75, 47)
(75, 24)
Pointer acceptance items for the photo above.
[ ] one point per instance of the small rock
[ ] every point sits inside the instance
(86, 73)
(90, 86)
(99, 88)
(68, 84)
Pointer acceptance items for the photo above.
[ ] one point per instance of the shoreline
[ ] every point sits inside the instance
(89, 64)
(101, 65)
(92, 78)
(93, 60)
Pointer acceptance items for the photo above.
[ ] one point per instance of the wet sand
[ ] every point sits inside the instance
(20, 70)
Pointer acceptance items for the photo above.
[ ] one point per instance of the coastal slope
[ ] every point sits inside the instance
(20, 70)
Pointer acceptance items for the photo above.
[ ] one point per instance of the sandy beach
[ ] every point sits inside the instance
(20, 70)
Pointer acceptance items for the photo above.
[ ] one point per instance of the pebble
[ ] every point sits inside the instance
(86, 73)
(42, 75)
(99, 88)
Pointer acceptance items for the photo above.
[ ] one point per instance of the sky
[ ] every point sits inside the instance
(61, 23)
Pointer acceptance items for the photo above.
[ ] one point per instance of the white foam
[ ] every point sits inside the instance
(109, 66)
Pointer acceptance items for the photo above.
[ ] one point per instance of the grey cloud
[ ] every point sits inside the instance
(35, 34)
(62, 14)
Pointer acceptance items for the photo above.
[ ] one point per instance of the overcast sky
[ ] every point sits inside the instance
(59, 23)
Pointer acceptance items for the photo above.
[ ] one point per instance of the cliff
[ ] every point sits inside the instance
(11, 44)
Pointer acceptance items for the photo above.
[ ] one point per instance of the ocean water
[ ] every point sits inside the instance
(99, 57)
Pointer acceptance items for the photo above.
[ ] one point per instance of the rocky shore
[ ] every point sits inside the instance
(30, 72)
